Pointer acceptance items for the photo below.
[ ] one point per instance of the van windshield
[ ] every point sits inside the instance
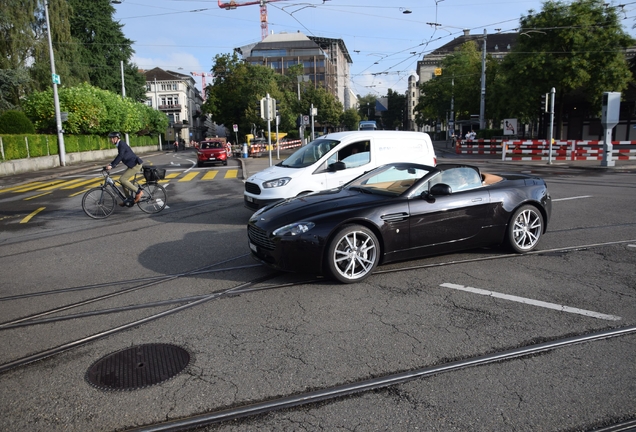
(309, 154)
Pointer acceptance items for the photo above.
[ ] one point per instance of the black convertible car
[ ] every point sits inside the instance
(399, 212)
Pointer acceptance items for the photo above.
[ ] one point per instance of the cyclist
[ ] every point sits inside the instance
(131, 160)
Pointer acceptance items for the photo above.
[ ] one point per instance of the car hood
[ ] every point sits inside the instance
(272, 173)
(311, 206)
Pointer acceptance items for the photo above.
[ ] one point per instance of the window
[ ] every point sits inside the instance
(461, 178)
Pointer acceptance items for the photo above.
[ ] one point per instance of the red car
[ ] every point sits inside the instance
(211, 151)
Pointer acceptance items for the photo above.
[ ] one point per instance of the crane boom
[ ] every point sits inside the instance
(202, 75)
(263, 11)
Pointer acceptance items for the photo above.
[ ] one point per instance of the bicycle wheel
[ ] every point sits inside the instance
(154, 198)
(98, 203)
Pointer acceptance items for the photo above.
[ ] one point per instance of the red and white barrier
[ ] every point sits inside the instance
(256, 149)
(532, 150)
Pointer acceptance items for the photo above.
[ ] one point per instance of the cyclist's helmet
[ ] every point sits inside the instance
(114, 135)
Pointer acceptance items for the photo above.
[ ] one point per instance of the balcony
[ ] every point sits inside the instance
(173, 107)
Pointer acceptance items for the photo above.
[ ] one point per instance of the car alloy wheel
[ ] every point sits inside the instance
(525, 229)
(353, 254)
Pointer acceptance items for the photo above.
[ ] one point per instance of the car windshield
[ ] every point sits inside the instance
(210, 145)
(309, 154)
(391, 180)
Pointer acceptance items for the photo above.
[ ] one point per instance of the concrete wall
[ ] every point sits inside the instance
(35, 164)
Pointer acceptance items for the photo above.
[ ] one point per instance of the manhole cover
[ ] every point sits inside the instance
(138, 367)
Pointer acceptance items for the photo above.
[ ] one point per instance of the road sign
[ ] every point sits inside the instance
(64, 116)
(305, 119)
(56, 79)
(235, 127)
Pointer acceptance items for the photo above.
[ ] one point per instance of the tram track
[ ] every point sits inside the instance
(377, 383)
(192, 301)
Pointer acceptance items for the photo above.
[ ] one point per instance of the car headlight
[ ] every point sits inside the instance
(277, 182)
(294, 229)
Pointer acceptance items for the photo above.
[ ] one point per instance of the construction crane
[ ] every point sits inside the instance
(202, 75)
(263, 3)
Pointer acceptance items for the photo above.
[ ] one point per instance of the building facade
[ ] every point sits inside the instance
(176, 95)
(326, 62)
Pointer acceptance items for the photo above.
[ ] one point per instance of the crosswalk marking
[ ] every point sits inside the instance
(189, 176)
(13, 188)
(37, 196)
(30, 187)
(83, 184)
(209, 175)
(58, 185)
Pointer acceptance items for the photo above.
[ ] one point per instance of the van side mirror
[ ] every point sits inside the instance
(337, 166)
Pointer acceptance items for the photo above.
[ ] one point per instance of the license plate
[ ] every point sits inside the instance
(249, 198)
(212, 158)
(253, 247)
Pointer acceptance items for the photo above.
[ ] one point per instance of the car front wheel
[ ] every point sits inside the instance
(353, 254)
(525, 229)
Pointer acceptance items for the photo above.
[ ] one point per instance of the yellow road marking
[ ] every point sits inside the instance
(84, 183)
(172, 175)
(78, 193)
(34, 186)
(209, 175)
(231, 173)
(12, 188)
(28, 218)
(37, 196)
(189, 176)
(65, 184)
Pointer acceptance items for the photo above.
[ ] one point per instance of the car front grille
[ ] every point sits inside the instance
(259, 238)
(252, 188)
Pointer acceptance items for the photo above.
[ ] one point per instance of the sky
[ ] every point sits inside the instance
(385, 38)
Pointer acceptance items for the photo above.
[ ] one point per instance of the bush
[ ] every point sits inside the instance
(15, 122)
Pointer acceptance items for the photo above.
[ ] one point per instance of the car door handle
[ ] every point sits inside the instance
(476, 199)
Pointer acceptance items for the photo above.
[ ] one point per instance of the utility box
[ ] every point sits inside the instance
(611, 109)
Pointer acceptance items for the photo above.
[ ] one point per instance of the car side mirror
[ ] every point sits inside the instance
(337, 166)
(440, 189)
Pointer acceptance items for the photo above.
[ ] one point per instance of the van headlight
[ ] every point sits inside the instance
(294, 229)
(277, 182)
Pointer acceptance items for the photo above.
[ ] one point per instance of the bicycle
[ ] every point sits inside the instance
(99, 202)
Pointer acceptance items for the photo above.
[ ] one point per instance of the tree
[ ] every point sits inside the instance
(93, 111)
(366, 107)
(460, 81)
(235, 94)
(103, 46)
(65, 48)
(351, 119)
(393, 117)
(577, 48)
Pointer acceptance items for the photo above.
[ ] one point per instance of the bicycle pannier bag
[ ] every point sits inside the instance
(152, 174)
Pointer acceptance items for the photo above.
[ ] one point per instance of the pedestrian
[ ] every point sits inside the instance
(131, 160)
(176, 146)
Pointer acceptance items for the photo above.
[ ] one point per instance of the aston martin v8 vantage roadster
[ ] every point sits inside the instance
(398, 212)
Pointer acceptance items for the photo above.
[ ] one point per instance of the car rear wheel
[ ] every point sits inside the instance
(353, 254)
(525, 229)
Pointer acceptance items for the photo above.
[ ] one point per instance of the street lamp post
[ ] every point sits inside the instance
(123, 92)
(56, 99)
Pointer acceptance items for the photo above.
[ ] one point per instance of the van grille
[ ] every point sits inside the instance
(252, 188)
(259, 238)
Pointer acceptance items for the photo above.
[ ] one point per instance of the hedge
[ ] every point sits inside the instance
(15, 146)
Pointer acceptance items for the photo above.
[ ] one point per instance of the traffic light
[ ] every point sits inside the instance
(545, 98)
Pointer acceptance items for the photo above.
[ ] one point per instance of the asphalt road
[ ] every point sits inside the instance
(74, 290)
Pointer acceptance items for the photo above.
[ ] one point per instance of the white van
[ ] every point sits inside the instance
(333, 160)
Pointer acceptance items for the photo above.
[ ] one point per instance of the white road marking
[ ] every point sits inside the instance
(572, 198)
(532, 302)
(632, 246)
